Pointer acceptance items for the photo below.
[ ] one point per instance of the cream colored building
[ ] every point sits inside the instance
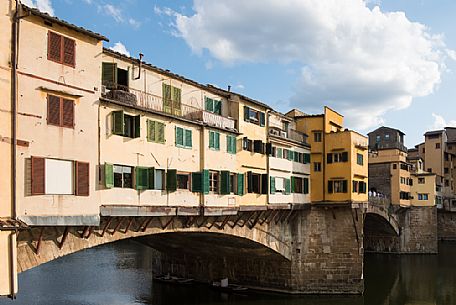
(288, 162)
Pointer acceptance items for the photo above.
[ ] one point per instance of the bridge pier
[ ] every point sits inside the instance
(325, 254)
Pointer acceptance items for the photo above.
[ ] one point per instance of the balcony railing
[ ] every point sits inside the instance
(384, 145)
(291, 134)
(154, 102)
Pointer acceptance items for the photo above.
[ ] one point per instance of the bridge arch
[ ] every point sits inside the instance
(39, 245)
(381, 230)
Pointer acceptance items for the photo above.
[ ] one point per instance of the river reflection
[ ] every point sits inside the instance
(120, 274)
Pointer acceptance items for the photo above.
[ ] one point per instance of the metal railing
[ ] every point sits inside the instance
(291, 134)
(154, 102)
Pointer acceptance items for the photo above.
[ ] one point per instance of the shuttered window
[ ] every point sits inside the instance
(224, 182)
(82, 178)
(272, 184)
(142, 178)
(155, 131)
(109, 175)
(213, 106)
(171, 99)
(126, 125)
(60, 111)
(231, 144)
(38, 178)
(240, 184)
(214, 140)
(183, 137)
(61, 49)
(171, 180)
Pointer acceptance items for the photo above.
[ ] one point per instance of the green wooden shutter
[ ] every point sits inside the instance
(151, 174)
(225, 182)
(197, 182)
(272, 183)
(205, 181)
(217, 141)
(344, 156)
(287, 186)
(211, 139)
(176, 97)
(171, 180)
(109, 175)
(290, 155)
(209, 104)
(279, 153)
(109, 74)
(228, 143)
(306, 158)
(246, 114)
(249, 182)
(330, 187)
(160, 132)
(166, 93)
(292, 184)
(179, 136)
(240, 184)
(188, 138)
(262, 119)
(137, 130)
(296, 156)
(306, 186)
(142, 178)
(150, 131)
(118, 123)
(218, 107)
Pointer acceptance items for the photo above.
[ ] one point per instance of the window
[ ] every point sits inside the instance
(233, 183)
(317, 166)
(279, 153)
(183, 137)
(337, 186)
(387, 137)
(125, 125)
(123, 176)
(317, 136)
(403, 180)
(404, 196)
(447, 183)
(171, 99)
(159, 177)
(113, 77)
(394, 166)
(429, 170)
(423, 150)
(214, 140)
(446, 170)
(253, 183)
(437, 145)
(337, 157)
(60, 111)
(61, 49)
(213, 182)
(279, 184)
(155, 131)
(404, 167)
(359, 159)
(254, 116)
(421, 180)
(231, 144)
(258, 146)
(299, 185)
(213, 106)
(377, 139)
(359, 187)
(183, 181)
(423, 196)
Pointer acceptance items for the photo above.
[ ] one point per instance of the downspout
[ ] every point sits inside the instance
(267, 159)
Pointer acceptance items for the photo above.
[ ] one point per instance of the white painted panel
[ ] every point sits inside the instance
(59, 177)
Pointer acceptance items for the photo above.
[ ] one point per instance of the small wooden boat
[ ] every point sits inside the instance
(225, 287)
(172, 279)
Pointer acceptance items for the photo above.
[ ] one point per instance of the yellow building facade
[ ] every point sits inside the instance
(339, 158)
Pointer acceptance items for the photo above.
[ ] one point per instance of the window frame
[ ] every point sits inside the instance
(214, 182)
(185, 132)
(123, 176)
(62, 101)
(62, 49)
(188, 175)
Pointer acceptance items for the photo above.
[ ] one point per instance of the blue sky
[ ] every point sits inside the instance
(388, 62)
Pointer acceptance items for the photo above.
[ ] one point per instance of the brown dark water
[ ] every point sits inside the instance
(119, 274)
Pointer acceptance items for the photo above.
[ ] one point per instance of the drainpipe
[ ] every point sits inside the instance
(267, 158)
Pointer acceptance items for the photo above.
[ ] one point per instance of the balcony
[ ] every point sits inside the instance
(385, 145)
(291, 134)
(149, 101)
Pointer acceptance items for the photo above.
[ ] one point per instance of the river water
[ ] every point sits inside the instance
(119, 274)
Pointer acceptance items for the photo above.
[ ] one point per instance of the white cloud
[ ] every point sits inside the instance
(42, 5)
(120, 47)
(440, 122)
(114, 12)
(117, 14)
(240, 87)
(361, 61)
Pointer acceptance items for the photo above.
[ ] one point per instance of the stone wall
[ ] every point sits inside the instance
(446, 225)
(380, 178)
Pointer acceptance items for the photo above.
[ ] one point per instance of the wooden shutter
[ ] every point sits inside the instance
(151, 174)
(160, 132)
(217, 140)
(137, 124)
(246, 114)
(176, 97)
(268, 149)
(272, 184)
(82, 178)
(224, 182)
(166, 92)
(262, 119)
(293, 181)
(209, 104)
(38, 176)
(330, 187)
(264, 183)
(142, 178)
(197, 182)
(118, 123)
(249, 182)
(329, 158)
(53, 111)
(279, 153)
(205, 181)
(171, 180)
(179, 136)
(287, 186)
(211, 139)
(240, 184)
(218, 107)
(54, 47)
(68, 113)
(109, 75)
(151, 131)
(344, 186)
(188, 138)
(306, 158)
(344, 156)
(306, 186)
(69, 51)
(109, 175)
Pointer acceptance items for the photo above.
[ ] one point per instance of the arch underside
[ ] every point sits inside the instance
(380, 234)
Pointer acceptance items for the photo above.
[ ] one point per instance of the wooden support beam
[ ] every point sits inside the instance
(222, 226)
(200, 224)
(271, 216)
(40, 239)
(168, 223)
(91, 228)
(106, 226)
(212, 223)
(144, 228)
(268, 213)
(84, 231)
(287, 218)
(119, 223)
(128, 225)
(190, 221)
(249, 215)
(252, 225)
(236, 221)
(64, 237)
(142, 224)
